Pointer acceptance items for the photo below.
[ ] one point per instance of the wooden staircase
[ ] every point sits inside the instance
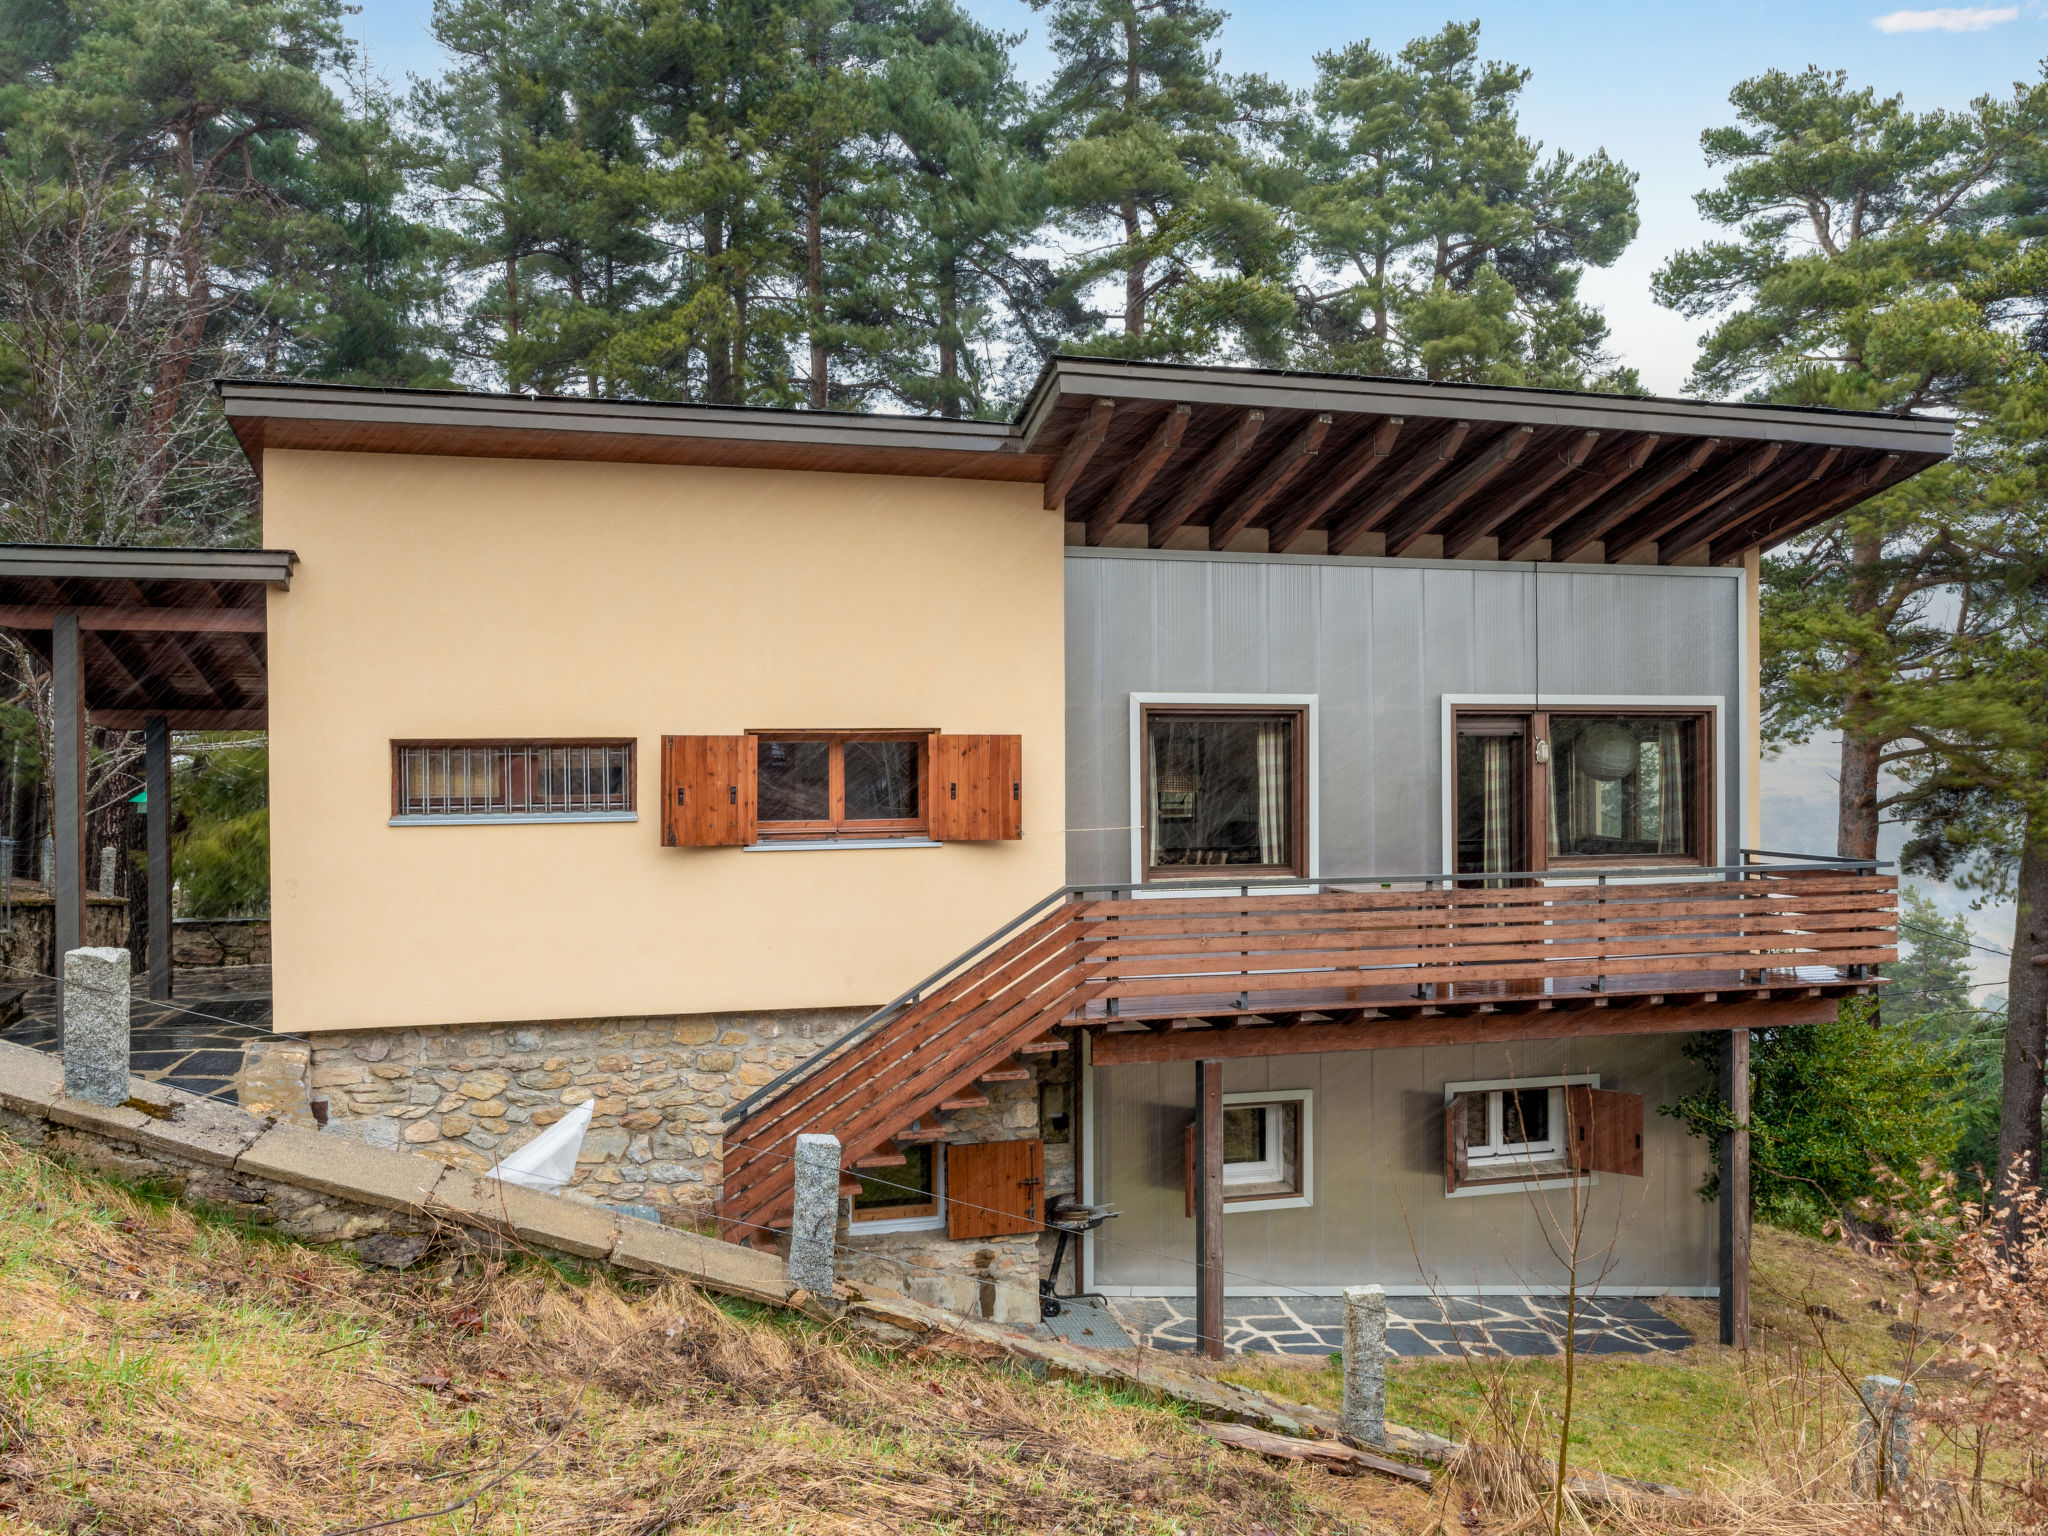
(911, 1063)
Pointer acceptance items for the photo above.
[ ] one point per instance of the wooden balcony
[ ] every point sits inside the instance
(1210, 971)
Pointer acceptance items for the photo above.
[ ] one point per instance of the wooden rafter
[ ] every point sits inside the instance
(1757, 529)
(1318, 499)
(1593, 523)
(1130, 485)
(1426, 464)
(1763, 494)
(1652, 525)
(1079, 450)
(1422, 516)
(1191, 493)
(1537, 521)
(1269, 482)
(1483, 519)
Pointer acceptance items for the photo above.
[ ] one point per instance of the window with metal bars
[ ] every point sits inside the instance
(458, 781)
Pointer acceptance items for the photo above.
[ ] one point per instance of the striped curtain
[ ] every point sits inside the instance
(1496, 812)
(1671, 790)
(1273, 793)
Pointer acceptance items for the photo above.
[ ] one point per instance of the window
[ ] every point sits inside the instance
(1509, 1135)
(1517, 1126)
(512, 781)
(818, 785)
(1265, 1152)
(1224, 791)
(1550, 789)
(911, 1194)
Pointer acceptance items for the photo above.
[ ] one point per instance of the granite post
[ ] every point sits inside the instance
(1883, 1437)
(814, 1224)
(1364, 1416)
(96, 1025)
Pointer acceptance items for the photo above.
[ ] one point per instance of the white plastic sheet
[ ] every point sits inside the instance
(548, 1162)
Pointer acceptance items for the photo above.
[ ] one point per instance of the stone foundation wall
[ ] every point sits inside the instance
(206, 943)
(470, 1094)
(28, 948)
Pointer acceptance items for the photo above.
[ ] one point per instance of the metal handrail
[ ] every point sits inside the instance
(1284, 884)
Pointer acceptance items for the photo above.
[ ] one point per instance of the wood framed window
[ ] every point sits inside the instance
(1507, 1134)
(906, 1197)
(441, 782)
(1582, 788)
(1265, 1152)
(807, 788)
(1225, 791)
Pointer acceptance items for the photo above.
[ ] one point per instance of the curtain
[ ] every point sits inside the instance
(1496, 816)
(1273, 793)
(1671, 789)
(1152, 854)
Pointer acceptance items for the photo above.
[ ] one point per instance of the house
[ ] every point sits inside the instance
(1309, 814)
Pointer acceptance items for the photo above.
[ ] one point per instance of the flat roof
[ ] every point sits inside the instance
(1146, 453)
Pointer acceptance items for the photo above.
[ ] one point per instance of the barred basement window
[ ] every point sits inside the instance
(476, 781)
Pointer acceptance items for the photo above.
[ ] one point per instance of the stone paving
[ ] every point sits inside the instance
(199, 1041)
(1416, 1325)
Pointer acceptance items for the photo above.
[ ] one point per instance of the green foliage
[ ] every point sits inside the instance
(220, 855)
(1827, 1101)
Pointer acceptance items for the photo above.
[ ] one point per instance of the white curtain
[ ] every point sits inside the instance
(1671, 790)
(1273, 794)
(1496, 814)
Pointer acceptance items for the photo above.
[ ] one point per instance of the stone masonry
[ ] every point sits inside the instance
(470, 1094)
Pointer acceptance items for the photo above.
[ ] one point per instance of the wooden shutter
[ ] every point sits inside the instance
(707, 791)
(992, 1188)
(976, 788)
(1457, 1161)
(1187, 1170)
(1606, 1129)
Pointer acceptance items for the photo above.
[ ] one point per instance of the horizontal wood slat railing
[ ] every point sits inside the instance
(1076, 959)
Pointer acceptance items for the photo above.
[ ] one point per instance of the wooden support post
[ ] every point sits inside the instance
(1734, 1091)
(67, 793)
(156, 752)
(1209, 1209)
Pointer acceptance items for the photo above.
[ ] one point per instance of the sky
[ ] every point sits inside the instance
(1639, 78)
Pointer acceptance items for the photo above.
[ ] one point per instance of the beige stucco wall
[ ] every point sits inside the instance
(487, 598)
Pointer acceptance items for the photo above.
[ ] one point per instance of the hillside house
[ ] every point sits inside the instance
(1306, 813)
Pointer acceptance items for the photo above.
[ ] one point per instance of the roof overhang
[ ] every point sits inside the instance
(1350, 465)
(173, 632)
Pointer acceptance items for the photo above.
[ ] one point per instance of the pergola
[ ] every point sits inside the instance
(150, 639)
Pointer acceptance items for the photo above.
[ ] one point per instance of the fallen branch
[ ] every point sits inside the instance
(1333, 1454)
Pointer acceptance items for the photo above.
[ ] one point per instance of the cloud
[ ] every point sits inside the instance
(1947, 18)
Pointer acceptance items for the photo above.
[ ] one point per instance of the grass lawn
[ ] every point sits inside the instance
(1671, 1417)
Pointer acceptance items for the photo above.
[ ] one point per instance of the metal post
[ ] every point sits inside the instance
(67, 793)
(1209, 1209)
(156, 750)
(1734, 1092)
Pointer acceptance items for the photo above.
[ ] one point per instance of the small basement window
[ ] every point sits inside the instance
(1512, 1135)
(905, 1197)
(833, 785)
(473, 781)
(1265, 1152)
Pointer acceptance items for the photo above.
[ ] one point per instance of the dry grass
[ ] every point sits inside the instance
(163, 1372)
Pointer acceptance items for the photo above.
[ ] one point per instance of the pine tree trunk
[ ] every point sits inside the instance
(949, 335)
(717, 360)
(1134, 275)
(814, 283)
(2026, 1020)
(1856, 802)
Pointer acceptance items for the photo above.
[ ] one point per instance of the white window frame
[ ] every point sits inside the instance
(1725, 826)
(932, 1223)
(1307, 703)
(1305, 1099)
(1505, 1159)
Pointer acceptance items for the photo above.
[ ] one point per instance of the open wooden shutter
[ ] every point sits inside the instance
(976, 789)
(1606, 1129)
(1457, 1160)
(707, 791)
(993, 1188)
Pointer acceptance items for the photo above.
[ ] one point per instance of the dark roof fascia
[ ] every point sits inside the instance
(126, 562)
(1273, 389)
(246, 399)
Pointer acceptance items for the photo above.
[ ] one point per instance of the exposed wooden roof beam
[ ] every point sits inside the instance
(1130, 485)
(1593, 524)
(246, 621)
(1191, 493)
(1079, 450)
(1716, 489)
(1422, 516)
(1367, 457)
(1758, 498)
(1758, 529)
(1482, 520)
(1538, 520)
(1349, 530)
(1268, 483)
